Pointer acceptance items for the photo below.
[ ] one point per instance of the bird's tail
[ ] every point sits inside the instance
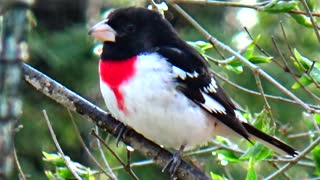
(269, 141)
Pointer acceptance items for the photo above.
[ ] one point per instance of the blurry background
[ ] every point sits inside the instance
(61, 48)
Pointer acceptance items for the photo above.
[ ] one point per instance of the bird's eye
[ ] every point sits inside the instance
(130, 28)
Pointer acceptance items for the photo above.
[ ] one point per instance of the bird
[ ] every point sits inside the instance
(157, 84)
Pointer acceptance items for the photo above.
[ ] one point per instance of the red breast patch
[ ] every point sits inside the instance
(114, 73)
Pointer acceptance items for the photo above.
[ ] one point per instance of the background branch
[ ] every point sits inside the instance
(14, 31)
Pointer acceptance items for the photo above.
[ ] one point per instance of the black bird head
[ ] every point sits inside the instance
(129, 31)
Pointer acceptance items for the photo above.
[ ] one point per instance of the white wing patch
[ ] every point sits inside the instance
(183, 74)
(179, 72)
(212, 87)
(212, 105)
(193, 75)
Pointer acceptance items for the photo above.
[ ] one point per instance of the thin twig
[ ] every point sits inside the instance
(94, 133)
(268, 107)
(296, 60)
(289, 47)
(278, 98)
(129, 150)
(104, 159)
(263, 51)
(309, 164)
(295, 160)
(218, 51)
(186, 154)
(202, 151)
(221, 3)
(126, 168)
(277, 167)
(291, 72)
(311, 67)
(303, 134)
(314, 23)
(110, 174)
(257, 45)
(135, 164)
(315, 82)
(315, 14)
(237, 150)
(223, 62)
(256, 6)
(54, 138)
(253, 67)
(21, 174)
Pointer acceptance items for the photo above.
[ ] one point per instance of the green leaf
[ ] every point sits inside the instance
(303, 66)
(204, 45)
(53, 159)
(62, 171)
(49, 175)
(317, 118)
(316, 157)
(281, 6)
(304, 80)
(250, 49)
(302, 19)
(305, 62)
(251, 175)
(258, 152)
(217, 177)
(65, 173)
(235, 65)
(228, 156)
(236, 69)
(200, 46)
(262, 121)
(235, 62)
(260, 59)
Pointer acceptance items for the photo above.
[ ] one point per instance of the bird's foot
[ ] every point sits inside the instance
(173, 164)
(121, 130)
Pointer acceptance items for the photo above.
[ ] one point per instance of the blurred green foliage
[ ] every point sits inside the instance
(65, 53)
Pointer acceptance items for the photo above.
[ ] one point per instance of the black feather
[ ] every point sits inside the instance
(275, 142)
(192, 87)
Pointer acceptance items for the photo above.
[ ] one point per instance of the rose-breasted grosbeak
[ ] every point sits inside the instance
(154, 82)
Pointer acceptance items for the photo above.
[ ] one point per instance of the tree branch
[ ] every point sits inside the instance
(255, 6)
(76, 103)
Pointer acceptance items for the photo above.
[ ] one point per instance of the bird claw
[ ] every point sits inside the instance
(121, 131)
(173, 164)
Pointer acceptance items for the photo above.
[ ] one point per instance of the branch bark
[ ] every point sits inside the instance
(105, 121)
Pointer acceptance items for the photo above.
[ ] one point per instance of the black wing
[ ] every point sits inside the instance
(199, 85)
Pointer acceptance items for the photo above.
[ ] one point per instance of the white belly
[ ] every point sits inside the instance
(157, 110)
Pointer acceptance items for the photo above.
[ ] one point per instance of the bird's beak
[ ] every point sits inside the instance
(103, 32)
